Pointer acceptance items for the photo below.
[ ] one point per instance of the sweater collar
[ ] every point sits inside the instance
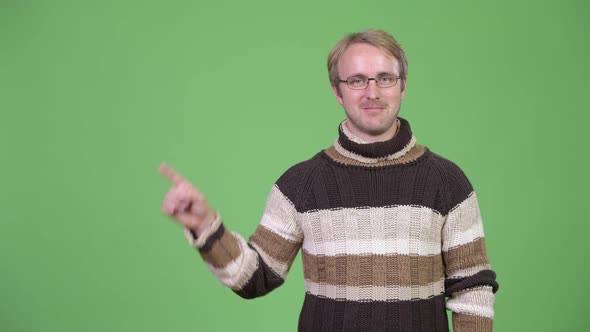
(394, 148)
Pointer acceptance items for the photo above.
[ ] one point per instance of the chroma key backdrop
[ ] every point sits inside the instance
(95, 94)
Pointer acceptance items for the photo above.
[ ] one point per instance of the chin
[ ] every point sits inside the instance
(373, 127)
(378, 128)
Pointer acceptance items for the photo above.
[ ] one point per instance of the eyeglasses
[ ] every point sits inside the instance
(360, 82)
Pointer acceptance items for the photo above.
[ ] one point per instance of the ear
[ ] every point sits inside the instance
(337, 94)
(404, 87)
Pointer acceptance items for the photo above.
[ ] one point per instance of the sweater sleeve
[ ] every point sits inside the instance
(255, 267)
(470, 284)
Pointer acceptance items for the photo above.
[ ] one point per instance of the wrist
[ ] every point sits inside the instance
(203, 226)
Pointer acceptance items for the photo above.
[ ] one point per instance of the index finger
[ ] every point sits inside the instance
(170, 173)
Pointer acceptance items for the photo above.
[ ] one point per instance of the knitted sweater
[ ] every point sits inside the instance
(388, 232)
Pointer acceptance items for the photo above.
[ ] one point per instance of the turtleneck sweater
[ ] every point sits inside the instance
(391, 236)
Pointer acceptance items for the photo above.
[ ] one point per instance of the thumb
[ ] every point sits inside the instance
(187, 219)
(198, 207)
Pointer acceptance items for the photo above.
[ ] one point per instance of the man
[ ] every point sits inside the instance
(388, 229)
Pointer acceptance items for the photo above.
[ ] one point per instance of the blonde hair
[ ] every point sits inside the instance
(377, 38)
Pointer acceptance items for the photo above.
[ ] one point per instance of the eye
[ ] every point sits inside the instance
(386, 78)
(357, 81)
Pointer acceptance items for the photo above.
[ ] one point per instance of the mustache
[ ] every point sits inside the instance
(372, 104)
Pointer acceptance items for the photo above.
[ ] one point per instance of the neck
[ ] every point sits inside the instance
(363, 138)
(398, 145)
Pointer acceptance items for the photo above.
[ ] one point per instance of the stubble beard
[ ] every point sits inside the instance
(376, 131)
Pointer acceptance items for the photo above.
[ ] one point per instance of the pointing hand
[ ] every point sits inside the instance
(184, 203)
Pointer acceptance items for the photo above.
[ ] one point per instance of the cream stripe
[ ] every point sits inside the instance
(360, 158)
(375, 247)
(375, 293)
(280, 216)
(351, 136)
(463, 224)
(469, 271)
(278, 267)
(465, 214)
(357, 231)
(478, 302)
(237, 273)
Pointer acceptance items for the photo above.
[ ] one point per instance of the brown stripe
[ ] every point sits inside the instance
(373, 270)
(416, 152)
(275, 245)
(464, 322)
(223, 251)
(465, 256)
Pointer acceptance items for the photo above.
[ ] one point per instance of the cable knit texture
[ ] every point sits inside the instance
(391, 235)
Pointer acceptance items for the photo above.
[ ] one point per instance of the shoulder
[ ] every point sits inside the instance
(448, 170)
(294, 181)
(455, 185)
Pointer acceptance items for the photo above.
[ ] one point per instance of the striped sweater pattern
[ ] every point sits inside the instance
(391, 236)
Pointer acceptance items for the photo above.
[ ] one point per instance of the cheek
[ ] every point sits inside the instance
(351, 98)
(348, 104)
(395, 96)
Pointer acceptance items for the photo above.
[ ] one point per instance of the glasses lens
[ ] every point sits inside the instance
(357, 82)
(386, 80)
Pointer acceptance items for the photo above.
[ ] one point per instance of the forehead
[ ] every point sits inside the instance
(361, 58)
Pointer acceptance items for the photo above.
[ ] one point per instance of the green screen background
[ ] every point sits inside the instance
(95, 94)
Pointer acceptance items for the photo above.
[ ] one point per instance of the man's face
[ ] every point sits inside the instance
(371, 112)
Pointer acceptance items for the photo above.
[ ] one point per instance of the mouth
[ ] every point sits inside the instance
(373, 109)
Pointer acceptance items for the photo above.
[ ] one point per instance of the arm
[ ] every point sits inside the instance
(470, 283)
(250, 269)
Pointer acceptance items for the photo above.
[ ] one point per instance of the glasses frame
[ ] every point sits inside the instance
(369, 79)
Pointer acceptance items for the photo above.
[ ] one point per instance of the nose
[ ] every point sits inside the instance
(372, 91)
